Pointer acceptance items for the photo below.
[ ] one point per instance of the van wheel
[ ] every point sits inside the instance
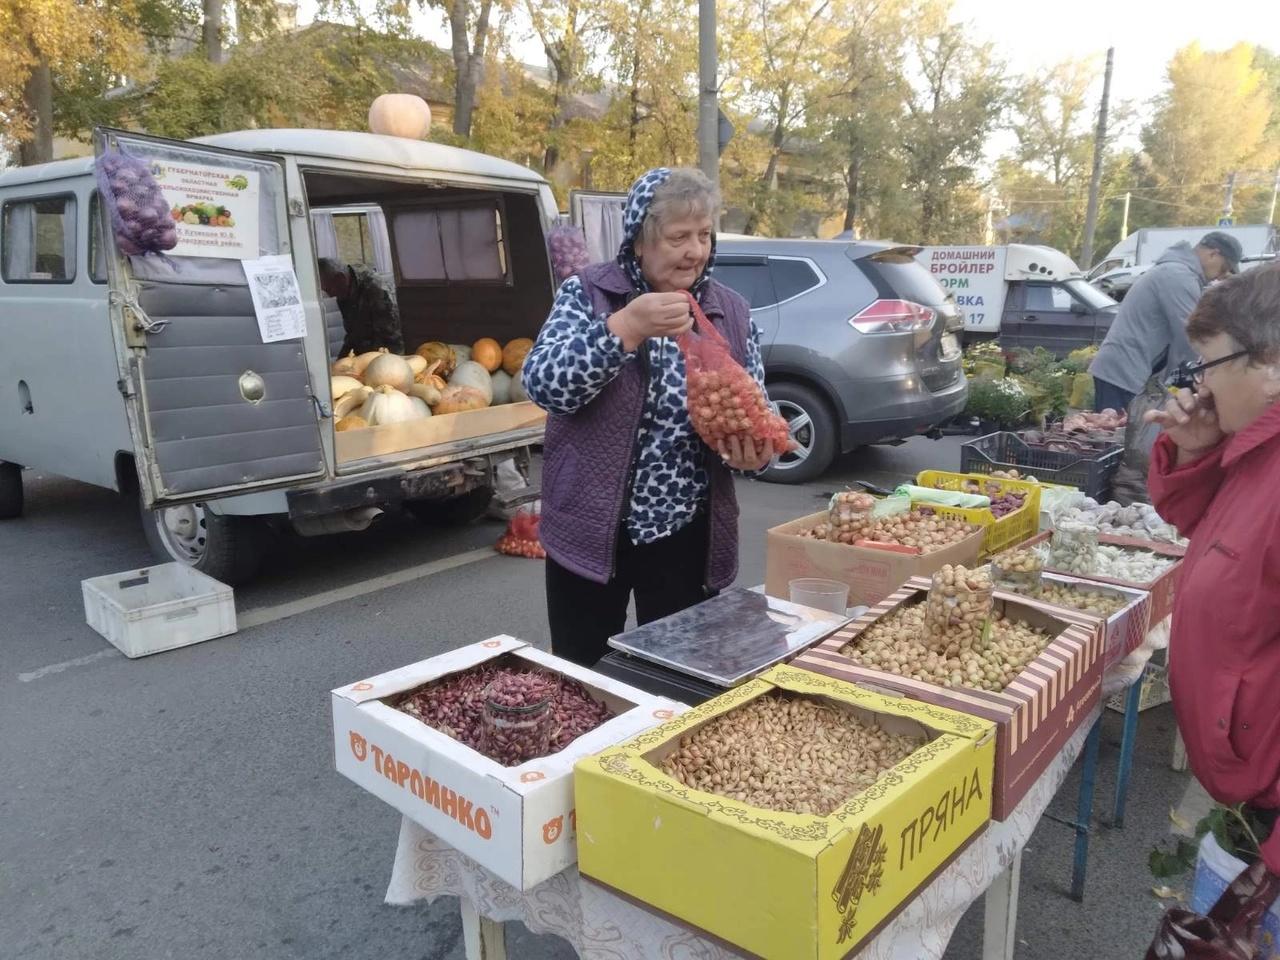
(10, 491)
(229, 549)
(812, 427)
(452, 511)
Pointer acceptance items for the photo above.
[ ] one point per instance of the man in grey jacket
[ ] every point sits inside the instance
(1149, 334)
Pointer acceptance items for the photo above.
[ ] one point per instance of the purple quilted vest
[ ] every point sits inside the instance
(587, 455)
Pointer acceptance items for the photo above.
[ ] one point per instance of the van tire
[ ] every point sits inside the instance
(11, 498)
(818, 437)
(452, 511)
(229, 549)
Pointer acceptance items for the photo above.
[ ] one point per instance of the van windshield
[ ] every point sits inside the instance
(1089, 295)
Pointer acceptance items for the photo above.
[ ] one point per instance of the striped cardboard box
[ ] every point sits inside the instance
(1035, 715)
(1123, 631)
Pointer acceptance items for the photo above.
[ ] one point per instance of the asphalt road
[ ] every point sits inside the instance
(185, 805)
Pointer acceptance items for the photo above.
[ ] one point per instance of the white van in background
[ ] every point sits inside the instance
(1115, 273)
(1027, 296)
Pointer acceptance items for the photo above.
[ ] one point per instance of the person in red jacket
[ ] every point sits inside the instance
(1214, 473)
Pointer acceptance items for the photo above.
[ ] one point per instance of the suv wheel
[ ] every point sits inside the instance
(812, 427)
(229, 549)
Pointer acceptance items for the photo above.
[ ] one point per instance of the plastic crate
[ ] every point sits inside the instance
(158, 608)
(1086, 468)
(1001, 533)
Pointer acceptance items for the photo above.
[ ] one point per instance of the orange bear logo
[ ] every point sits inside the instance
(533, 776)
(362, 686)
(663, 714)
(552, 829)
(359, 746)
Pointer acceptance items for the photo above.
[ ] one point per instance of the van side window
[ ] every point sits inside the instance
(1047, 296)
(97, 249)
(38, 240)
(462, 242)
(355, 243)
(792, 277)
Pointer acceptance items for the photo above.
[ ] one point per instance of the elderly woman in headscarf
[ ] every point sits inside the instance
(633, 502)
(1213, 475)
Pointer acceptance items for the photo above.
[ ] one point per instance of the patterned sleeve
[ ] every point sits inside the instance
(755, 361)
(575, 355)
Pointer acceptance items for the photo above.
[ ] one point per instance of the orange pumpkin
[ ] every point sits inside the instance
(488, 353)
(513, 354)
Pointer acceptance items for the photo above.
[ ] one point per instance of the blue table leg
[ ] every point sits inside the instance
(1084, 811)
(1127, 741)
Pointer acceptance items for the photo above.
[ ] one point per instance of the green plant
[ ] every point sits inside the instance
(1235, 828)
(1034, 361)
(1048, 392)
(1078, 360)
(1003, 402)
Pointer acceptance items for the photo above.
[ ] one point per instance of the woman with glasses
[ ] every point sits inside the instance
(1215, 474)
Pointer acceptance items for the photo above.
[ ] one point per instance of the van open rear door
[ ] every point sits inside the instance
(213, 409)
(600, 217)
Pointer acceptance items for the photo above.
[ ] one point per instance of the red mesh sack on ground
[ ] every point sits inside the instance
(1229, 932)
(140, 216)
(724, 399)
(521, 538)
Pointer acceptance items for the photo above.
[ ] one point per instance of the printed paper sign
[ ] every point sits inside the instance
(276, 298)
(214, 208)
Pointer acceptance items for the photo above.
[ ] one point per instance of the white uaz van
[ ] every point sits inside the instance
(150, 375)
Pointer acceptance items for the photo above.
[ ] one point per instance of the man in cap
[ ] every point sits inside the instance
(369, 311)
(1149, 334)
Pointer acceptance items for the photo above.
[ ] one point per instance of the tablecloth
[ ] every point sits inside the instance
(602, 926)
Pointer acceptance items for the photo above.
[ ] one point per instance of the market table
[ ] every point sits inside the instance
(600, 925)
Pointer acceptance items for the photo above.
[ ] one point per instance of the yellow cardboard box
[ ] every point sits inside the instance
(783, 885)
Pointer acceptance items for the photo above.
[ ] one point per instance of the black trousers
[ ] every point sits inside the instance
(666, 576)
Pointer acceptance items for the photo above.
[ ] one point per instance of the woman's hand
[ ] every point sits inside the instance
(746, 455)
(1191, 421)
(651, 315)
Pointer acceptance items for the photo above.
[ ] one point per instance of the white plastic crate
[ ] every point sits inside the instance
(158, 608)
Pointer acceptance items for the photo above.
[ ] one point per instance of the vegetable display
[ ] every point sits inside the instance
(1018, 572)
(513, 355)
(488, 353)
(789, 753)
(388, 370)
(455, 705)
(441, 354)
(141, 220)
(471, 373)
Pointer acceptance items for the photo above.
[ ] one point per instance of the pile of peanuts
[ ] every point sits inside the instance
(454, 705)
(788, 753)
(958, 610)
(918, 528)
(1086, 601)
(849, 516)
(897, 644)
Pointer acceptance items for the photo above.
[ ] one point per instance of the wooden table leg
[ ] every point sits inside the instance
(999, 932)
(483, 939)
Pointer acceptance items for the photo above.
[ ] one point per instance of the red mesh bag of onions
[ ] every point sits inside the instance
(568, 248)
(140, 217)
(521, 538)
(724, 399)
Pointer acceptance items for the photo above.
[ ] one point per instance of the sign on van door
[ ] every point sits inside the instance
(975, 277)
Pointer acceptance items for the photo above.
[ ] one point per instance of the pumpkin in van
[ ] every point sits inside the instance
(501, 387)
(352, 421)
(344, 366)
(389, 370)
(488, 353)
(340, 385)
(400, 115)
(457, 399)
(472, 374)
(434, 350)
(363, 361)
(513, 354)
(388, 405)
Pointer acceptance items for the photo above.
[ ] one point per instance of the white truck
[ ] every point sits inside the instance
(149, 375)
(1129, 259)
(1027, 296)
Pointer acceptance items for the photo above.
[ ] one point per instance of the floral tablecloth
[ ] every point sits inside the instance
(602, 926)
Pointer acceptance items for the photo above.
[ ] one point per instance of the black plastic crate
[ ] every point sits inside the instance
(1084, 468)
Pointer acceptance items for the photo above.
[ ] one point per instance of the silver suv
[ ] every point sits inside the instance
(861, 345)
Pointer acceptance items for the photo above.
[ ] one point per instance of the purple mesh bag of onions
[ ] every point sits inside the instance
(139, 213)
(568, 248)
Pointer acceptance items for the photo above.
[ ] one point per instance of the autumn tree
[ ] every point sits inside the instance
(566, 29)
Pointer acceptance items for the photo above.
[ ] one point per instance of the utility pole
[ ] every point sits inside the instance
(1226, 202)
(708, 108)
(1124, 219)
(1095, 181)
(1275, 191)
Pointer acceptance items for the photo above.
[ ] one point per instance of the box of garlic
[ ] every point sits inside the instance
(793, 816)
(477, 745)
(1037, 676)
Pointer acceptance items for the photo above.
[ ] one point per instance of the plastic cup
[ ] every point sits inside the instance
(830, 595)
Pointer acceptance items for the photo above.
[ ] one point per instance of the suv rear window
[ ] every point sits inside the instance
(792, 277)
(902, 278)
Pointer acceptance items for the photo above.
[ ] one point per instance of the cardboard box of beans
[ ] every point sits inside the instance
(425, 739)
(872, 573)
(792, 817)
(1048, 685)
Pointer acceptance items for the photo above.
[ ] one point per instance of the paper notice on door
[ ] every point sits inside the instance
(276, 298)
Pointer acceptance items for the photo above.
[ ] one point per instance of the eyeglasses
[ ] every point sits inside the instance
(1189, 374)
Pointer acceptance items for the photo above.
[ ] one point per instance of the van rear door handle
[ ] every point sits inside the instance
(1030, 316)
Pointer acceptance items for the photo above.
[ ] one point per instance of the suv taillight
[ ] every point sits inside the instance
(892, 316)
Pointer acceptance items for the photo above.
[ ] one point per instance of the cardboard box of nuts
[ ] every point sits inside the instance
(518, 822)
(871, 573)
(769, 881)
(1035, 714)
(1161, 588)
